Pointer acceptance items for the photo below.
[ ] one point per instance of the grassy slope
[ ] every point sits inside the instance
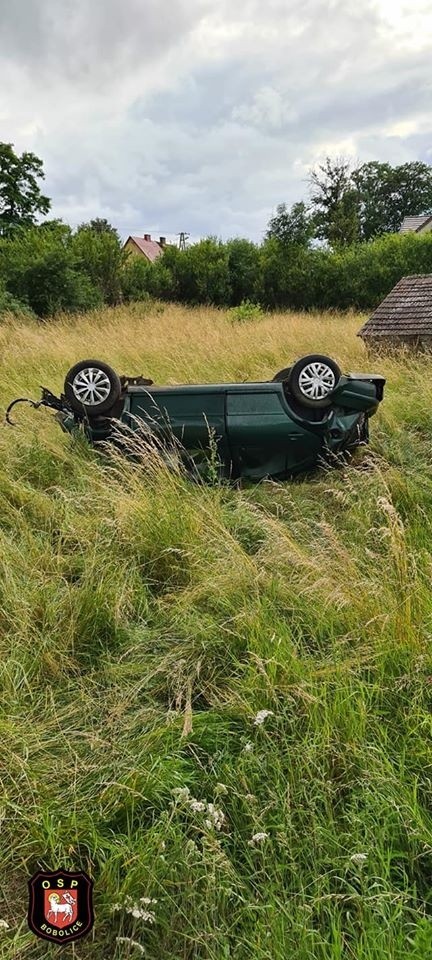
(145, 621)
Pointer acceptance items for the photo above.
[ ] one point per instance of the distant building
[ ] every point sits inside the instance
(417, 224)
(145, 246)
(404, 317)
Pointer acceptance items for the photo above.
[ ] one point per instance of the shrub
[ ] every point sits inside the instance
(163, 276)
(246, 312)
(245, 271)
(99, 255)
(49, 269)
(11, 305)
(358, 276)
(39, 268)
(202, 273)
(135, 279)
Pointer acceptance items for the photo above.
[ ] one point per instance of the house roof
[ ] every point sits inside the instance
(406, 312)
(150, 248)
(414, 224)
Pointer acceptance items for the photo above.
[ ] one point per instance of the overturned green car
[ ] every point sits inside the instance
(309, 413)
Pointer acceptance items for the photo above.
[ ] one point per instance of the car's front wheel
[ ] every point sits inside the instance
(92, 387)
(313, 379)
(282, 375)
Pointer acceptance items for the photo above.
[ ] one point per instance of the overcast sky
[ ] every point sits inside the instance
(202, 115)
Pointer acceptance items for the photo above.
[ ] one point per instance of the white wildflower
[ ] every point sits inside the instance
(136, 910)
(248, 747)
(261, 716)
(216, 816)
(181, 793)
(140, 914)
(258, 838)
(132, 943)
(358, 857)
(4, 925)
(250, 797)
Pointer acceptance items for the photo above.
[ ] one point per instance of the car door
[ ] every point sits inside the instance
(264, 439)
(191, 413)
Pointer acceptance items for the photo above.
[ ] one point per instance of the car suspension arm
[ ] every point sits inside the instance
(48, 399)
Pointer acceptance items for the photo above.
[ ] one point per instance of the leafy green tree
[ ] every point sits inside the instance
(100, 256)
(54, 284)
(135, 278)
(21, 199)
(244, 269)
(359, 276)
(388, 194)
(294, 226)
(203, 274)
(335, 201)
(99, 225)
(289, 275)
(39, 268)
(11, 305)
(369, 201)
(164, 275)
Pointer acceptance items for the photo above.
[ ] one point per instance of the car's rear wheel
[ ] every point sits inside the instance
(313, 379)
(92, 387)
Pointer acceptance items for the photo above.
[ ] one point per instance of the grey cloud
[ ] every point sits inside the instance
(203, 115)
(87, 41)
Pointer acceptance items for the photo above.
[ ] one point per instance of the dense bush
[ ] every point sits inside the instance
(135, 279)
(245, 271)
(279, 275)
(11, 305)
(203, 273)
(40, 268)
(98, 253)
(359, 276)
(49, 269)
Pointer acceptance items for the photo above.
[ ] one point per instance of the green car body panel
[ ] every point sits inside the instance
(258, 429)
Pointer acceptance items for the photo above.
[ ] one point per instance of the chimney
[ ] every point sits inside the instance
(162, 241)
(147, 236)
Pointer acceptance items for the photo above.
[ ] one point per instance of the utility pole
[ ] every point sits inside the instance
(183, 238)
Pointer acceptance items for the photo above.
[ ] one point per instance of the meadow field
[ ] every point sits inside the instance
(216, 701)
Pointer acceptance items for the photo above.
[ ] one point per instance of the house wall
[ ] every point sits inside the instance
(426, 229)
(131, 247)
(383, 344)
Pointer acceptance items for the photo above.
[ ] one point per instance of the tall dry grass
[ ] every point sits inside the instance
(147, 622)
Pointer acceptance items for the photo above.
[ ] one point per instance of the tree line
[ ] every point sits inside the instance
(338, 250)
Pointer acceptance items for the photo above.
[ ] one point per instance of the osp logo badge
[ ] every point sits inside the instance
(60, 905)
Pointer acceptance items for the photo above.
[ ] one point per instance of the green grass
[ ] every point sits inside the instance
(145, 621)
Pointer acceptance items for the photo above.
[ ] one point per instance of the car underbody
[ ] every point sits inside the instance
(309, 413)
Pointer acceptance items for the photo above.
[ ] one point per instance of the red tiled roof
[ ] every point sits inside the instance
(150, 248)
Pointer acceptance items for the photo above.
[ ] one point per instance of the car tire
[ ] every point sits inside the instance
(313, 379)
(282, 375)
(92, 387)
